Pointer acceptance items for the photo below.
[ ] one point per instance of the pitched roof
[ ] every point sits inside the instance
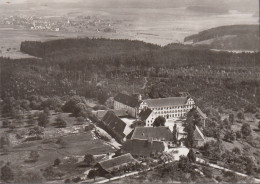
(143, 147)
(127, 100)
(144, 114)
(198, 135)
(166, 102)
(116, 162)
(156, 133)
(114, 123)
(101, 113)
(203, 115)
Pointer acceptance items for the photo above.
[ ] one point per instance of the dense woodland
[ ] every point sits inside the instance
(244, 37)
(85, 66)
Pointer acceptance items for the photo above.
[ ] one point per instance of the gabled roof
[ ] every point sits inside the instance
(114, 123)
(119, 113)
(116, 162)
(204, 116)
(144, 114)
(198, 135)
(127, 100)
(156, 133)
(143, 147)
(166, 102)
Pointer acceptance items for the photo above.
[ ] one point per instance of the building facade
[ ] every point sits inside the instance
(171, 108)
(128, 103)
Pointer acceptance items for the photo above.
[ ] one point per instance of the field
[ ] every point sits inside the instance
(159, 26)
(76, 144)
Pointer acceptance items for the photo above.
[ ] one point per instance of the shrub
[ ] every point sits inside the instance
(7, 174)
(92, 174)
(61, 142)
(207, 172)
(57, 162)
(76, 180)
(245, 129)
(236, 150)
(240, 115)
(89, 159)
(67, 181)
(6, 124)
(89, 127)
(43, 119)
(60, 122)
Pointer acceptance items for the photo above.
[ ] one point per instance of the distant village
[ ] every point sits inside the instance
(58, 23)
(147, 128)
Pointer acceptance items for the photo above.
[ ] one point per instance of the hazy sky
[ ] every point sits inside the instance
(231, 4)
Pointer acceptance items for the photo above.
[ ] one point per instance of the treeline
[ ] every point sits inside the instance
(224, 30)
(57, 47)
(75, 53)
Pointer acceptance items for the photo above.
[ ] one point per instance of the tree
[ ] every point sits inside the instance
(184, 164)
(175, 134)
(236, 150)
(6, 124)
(89, 159)
(238, 135)
(137, 123)
(79, 109)
(56, 162)
(36, 130)
(159, 121)
(34, 156)
(191, 156)
(240, 115)
(4, 141)
(207, 172)
(46, 110)
(230, 136)
(60, 122)
(92, 174)
(231, 118)
(102, 97)
(109, 176)
(43, 119)
(245, 129)
(7, 174)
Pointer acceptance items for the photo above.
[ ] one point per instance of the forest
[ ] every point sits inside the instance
(86, 66)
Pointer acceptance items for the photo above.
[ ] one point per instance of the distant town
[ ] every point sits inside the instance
(59, 23)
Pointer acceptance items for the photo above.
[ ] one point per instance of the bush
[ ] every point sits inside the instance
(7, 174)
(89, 127)
(57, 162)
(76, 180)
(67, 181)
(89, 159)
(246, 130)
(43, 119)
(61, 142)
(6, 124)
(60, 122)
(207, 172)
(240, 115)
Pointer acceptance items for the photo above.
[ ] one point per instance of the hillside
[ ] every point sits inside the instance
(208, 9)
(235, 37)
